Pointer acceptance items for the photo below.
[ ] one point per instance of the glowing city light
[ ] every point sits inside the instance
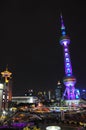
(53, 128)
(69, 80)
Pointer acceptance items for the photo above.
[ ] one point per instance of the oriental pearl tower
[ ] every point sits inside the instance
(69, 80)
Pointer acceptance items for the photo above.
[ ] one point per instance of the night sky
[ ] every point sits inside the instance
(29, 42)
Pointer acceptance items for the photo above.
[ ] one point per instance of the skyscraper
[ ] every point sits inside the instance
(69, 80)
(7, 92)
(1, 95)
(58, 91)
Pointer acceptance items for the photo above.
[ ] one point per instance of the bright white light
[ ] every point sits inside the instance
(53, 128)
(65, 43)
(4, 112)
(1, 86)
(31, 100)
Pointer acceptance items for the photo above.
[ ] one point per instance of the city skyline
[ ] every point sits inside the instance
(30, 33)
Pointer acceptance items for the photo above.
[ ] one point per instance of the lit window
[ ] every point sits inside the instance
(67, 59)
(66, 49)
(66, 54)
(68, 70)
(3, 96)
(67, 65)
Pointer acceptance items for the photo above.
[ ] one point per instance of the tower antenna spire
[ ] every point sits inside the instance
(63, 32)
(7, 67)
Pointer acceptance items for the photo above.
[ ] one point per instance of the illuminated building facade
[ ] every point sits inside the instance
(7, 91)
(1, 95)
(69, 80)
(25, 99)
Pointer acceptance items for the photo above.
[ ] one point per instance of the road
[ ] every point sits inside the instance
(63, 127)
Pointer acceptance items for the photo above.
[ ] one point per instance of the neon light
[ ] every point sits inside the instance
(65, 43)
(68, 65)
(63, 33)
(66, 54)
(69, 80)
(65, 49)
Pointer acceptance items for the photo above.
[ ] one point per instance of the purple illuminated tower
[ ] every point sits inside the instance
(69, 80)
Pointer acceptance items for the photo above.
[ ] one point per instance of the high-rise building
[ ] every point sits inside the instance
(7, 91)
(69, 80)
(58, 91)
(1, 95)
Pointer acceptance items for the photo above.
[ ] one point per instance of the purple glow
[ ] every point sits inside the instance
(65, 43)
(67, 60)
(69, 80)
(62, 26)
(65, 49)
(66, 54)
(67, 65)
